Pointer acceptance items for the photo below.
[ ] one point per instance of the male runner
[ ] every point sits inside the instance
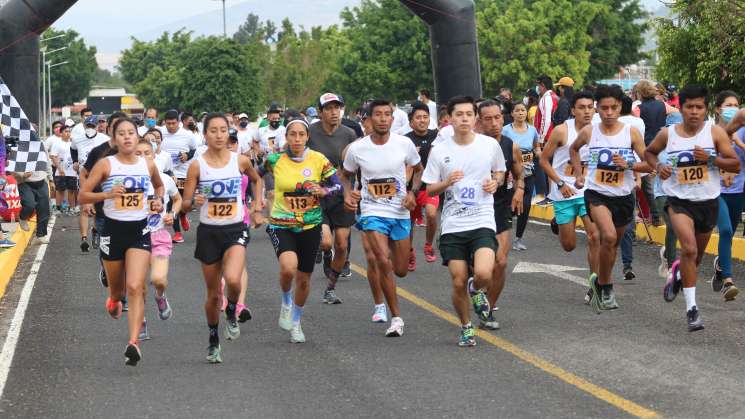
(181, 144)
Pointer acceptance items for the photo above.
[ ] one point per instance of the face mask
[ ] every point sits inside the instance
(155, 145)
(150, 122)
(192, 126)
(243, 124)
(274, 124)
(728, 113)
(90, 132)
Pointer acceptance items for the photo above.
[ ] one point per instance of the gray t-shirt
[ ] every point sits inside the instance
(332, 145)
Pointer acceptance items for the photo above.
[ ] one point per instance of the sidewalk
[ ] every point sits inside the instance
(9, 258)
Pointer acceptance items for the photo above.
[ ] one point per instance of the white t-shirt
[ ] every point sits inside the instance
(78, 130)
(467, 207)
(84, 145)
(174, 144)
(447, 133)
(50, 141)
(400, 119)
(244, 140)
(267, 138)
(61, 150)
(634, 121)
(163, 161)
(432, 114)
(383, 170)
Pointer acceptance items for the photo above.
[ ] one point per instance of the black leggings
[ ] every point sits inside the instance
(522, 219)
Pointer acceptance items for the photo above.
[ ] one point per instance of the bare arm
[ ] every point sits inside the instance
(582, 139)
(98, 174)
(637, 143)
(192, 178)
(727, 157)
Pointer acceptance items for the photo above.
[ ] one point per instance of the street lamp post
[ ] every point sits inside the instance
(46, 124)
(224, 25)
(49, 81)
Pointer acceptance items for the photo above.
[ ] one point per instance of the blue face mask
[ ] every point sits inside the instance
(243, 124)
(150, 122)
(728, 113)
(155, 145)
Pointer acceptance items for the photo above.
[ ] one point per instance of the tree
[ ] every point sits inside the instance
(249, 31)
(143, 57)
(70, 82)
(105, 78)
(703, 44)
(520, 40)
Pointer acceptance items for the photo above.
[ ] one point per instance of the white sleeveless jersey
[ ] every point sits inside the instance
(132, 205)
(602, 175)
(563, 166)
(691, 179)
(222, 189)
(155, 219)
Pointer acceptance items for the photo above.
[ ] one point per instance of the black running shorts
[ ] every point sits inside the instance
(214, 241)
(620, 207)
(120, 236)
(703, 213)
(304, 244)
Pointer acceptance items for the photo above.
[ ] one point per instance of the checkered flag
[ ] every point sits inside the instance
(29, 154)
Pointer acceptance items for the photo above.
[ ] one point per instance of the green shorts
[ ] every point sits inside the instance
(566, 211)
(464, 244)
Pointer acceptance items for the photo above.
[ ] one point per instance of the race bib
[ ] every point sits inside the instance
(180, 183)
(382, 188)
(469, 193)
(130, 201)
(222, 208)
(527, 157)
(727, 178)
(299, 202)
(692, 173)
(609, 177)
(569, 169)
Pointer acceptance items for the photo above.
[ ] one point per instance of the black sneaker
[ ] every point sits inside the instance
(694, 320)
(729, 291)
(628, 273)
(545, 202)
(554, 226)
(244, 315)
(132, 354)
(717, 282)
(84, 246)
(346, 272)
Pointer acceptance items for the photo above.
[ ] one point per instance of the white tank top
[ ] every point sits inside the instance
(563, 166)
(602, 175)
(132, 205)
(222, 188)
(691, 180)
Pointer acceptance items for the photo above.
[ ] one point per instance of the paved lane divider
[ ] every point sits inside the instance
(14, 331)
(596, 391)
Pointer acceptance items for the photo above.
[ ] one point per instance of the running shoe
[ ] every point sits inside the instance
(132, 354)
(628, 273)
(518, 244)
(467, 337)
(41, 239)
(6, 244)
(285, 317)
(694, 320)
(429, 253)
(396, 329)
(490, 323)
(479, 301)
(232, 330)
(329, 297)
(608, 300)
(178, 237)
(244, 314)
(380, 315)
(85, 247)
(296, 333)
(144, 332)
(545, 202)
(75, 211)
(102, 278)
(346, 272)
(412, 261)
(717, 281)
(125, 306)
(164, 309)
(184, 219)
(588, 296)
(673, 284)
(214, 354)
(554, 226)
(114, 309)
(662, 267)
(594, 293)
(24, 225)
(729, 291)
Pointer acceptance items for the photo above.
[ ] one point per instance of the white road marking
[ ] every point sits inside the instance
(9, 347)
(558, 271)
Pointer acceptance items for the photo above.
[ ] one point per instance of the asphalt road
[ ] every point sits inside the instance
(553, 357)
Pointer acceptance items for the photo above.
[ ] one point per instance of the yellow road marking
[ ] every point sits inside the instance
(596, 391)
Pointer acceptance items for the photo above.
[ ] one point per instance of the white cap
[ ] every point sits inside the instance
(242, 116)
(328, 98)
(69, 122)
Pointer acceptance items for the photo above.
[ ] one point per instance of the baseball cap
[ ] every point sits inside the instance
(91, 120)
(69, 122)
(311, 111)
(233, 133)
(565, 81)
(243, 116)
(328, 98)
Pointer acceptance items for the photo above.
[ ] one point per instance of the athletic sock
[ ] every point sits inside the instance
(214, 336)
(467, 325)
(297, 313)
(230, 310)
(333, 275)
(331, 287)
(690, 295)
(287, 298)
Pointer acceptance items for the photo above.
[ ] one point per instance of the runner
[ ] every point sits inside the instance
(125, 245)
(698, 150)
(610, 183)
(160, 238)
(65, 178)
(526, 136)
(385, 206)
(150, 117)
(507, 199)
(422, 137)
(214, 182)
(162, 159)
(302, 177)
(181, 145)
(329, 137)
(731, 201)
(463, 169)
(569, 203)
(264, 143)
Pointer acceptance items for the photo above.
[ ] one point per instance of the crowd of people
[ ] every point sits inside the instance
(464, 170)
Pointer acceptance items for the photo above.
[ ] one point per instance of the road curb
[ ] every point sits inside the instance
(657, 233)
(10, 258)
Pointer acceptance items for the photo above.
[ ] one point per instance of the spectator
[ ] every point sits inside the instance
(5, 243)
(565, 88)
(531, 102)
(34, 191)
(653, 114)
(543, 122)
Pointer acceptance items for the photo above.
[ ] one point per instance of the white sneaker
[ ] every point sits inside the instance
(285, 318)
(380, 315)
(42, 240)
(396, 329)
(662, 268)
(296, 334)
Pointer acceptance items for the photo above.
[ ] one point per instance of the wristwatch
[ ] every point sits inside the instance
(560, 184)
